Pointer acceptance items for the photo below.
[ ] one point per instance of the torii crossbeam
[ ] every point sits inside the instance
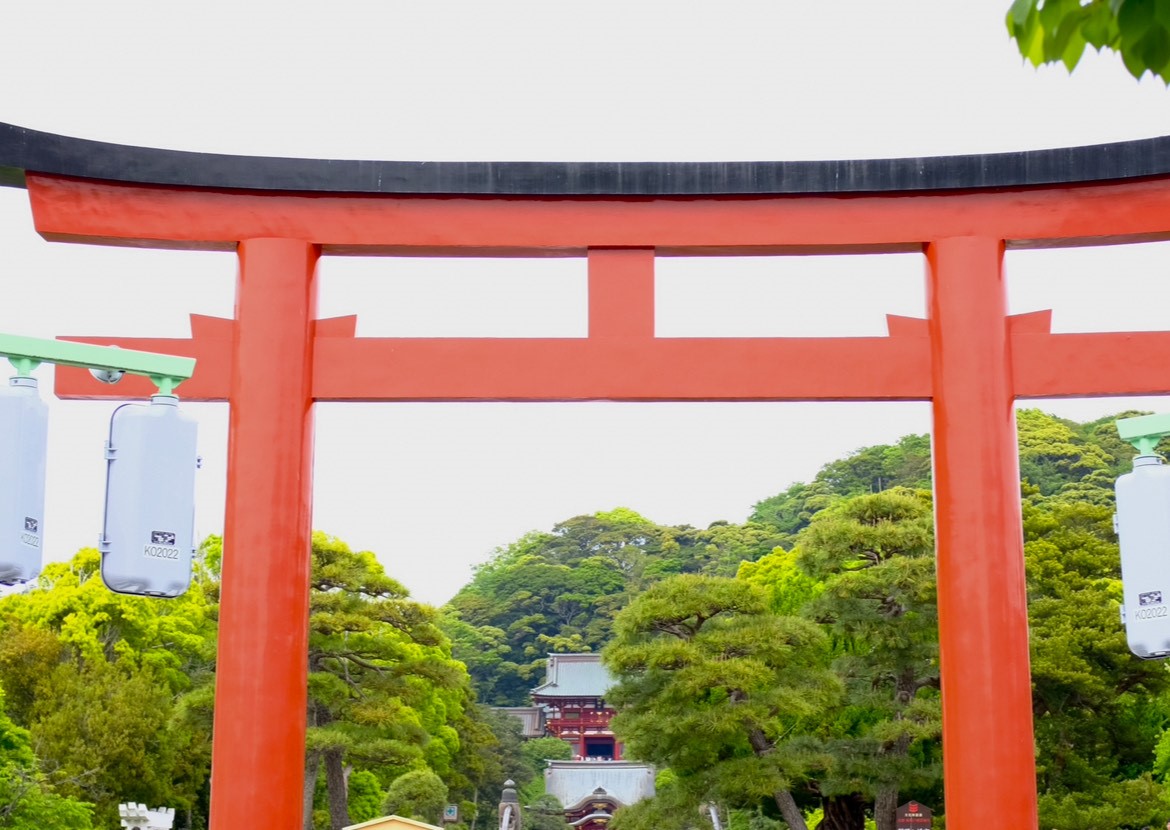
(968, 358)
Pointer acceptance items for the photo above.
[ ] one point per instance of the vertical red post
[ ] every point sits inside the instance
(621, 292)
(988, 761)
(258, 749)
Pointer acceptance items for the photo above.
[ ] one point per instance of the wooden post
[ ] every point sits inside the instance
(258, 753)
(988, 762)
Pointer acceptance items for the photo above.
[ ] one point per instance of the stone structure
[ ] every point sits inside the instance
(509, 807)
(138, 816)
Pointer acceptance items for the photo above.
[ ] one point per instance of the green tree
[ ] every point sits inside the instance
(559, 591)
(365, 796)
(536, 753)
(1134, 804)
(874, 555)
(418, 794)
(1057, 31)
(789, 588)
(710, 684)
(548, 592)
(791, 511)
(672, 806)
(881, 467)
(1099, 712)
(105, 730)
(869, 470)
(27, 800)
(717, 550)
(545, 813)
(384, 692)
(170, 637)
(102, 681)
(1056, 456)
(491, 752)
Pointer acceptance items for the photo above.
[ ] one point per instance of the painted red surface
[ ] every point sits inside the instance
(969, 359)
(164, 217)
(258, 754)
(644, 369)
(983, 615)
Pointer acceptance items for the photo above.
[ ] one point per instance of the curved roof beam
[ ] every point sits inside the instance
(23, 150)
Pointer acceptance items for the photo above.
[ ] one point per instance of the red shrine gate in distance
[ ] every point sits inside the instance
(968, 358)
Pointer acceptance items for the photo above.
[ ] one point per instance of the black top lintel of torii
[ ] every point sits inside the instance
(24, 151)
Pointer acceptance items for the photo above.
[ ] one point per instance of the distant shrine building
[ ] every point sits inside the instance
(590, 791)
(572, 699)
(570, 705)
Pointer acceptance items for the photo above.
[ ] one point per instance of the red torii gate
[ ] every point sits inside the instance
(969, 358)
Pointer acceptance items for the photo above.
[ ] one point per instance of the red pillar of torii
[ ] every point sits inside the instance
(969, 358)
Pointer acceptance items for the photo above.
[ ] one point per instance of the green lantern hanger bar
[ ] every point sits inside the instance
(165, 371)
(1144, 431)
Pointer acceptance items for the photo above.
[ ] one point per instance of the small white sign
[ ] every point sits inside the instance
(451, 812)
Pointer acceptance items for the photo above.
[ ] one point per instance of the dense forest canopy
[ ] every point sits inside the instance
(785, 667)
(1100, 713)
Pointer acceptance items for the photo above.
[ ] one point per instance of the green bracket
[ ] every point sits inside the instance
(26, 353)
(24, 366)
(1144, 431)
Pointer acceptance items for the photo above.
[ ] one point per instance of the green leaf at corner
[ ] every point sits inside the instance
(1054, 13)
(1073, 51)
(1019, 13)
(1134, 20)
(1154, 49)
(1066, 43)
(1032, 44)
(1133, 63)
(1100, 26)
(1023, 25)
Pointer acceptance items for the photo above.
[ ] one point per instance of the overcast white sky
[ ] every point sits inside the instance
(433, 489)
